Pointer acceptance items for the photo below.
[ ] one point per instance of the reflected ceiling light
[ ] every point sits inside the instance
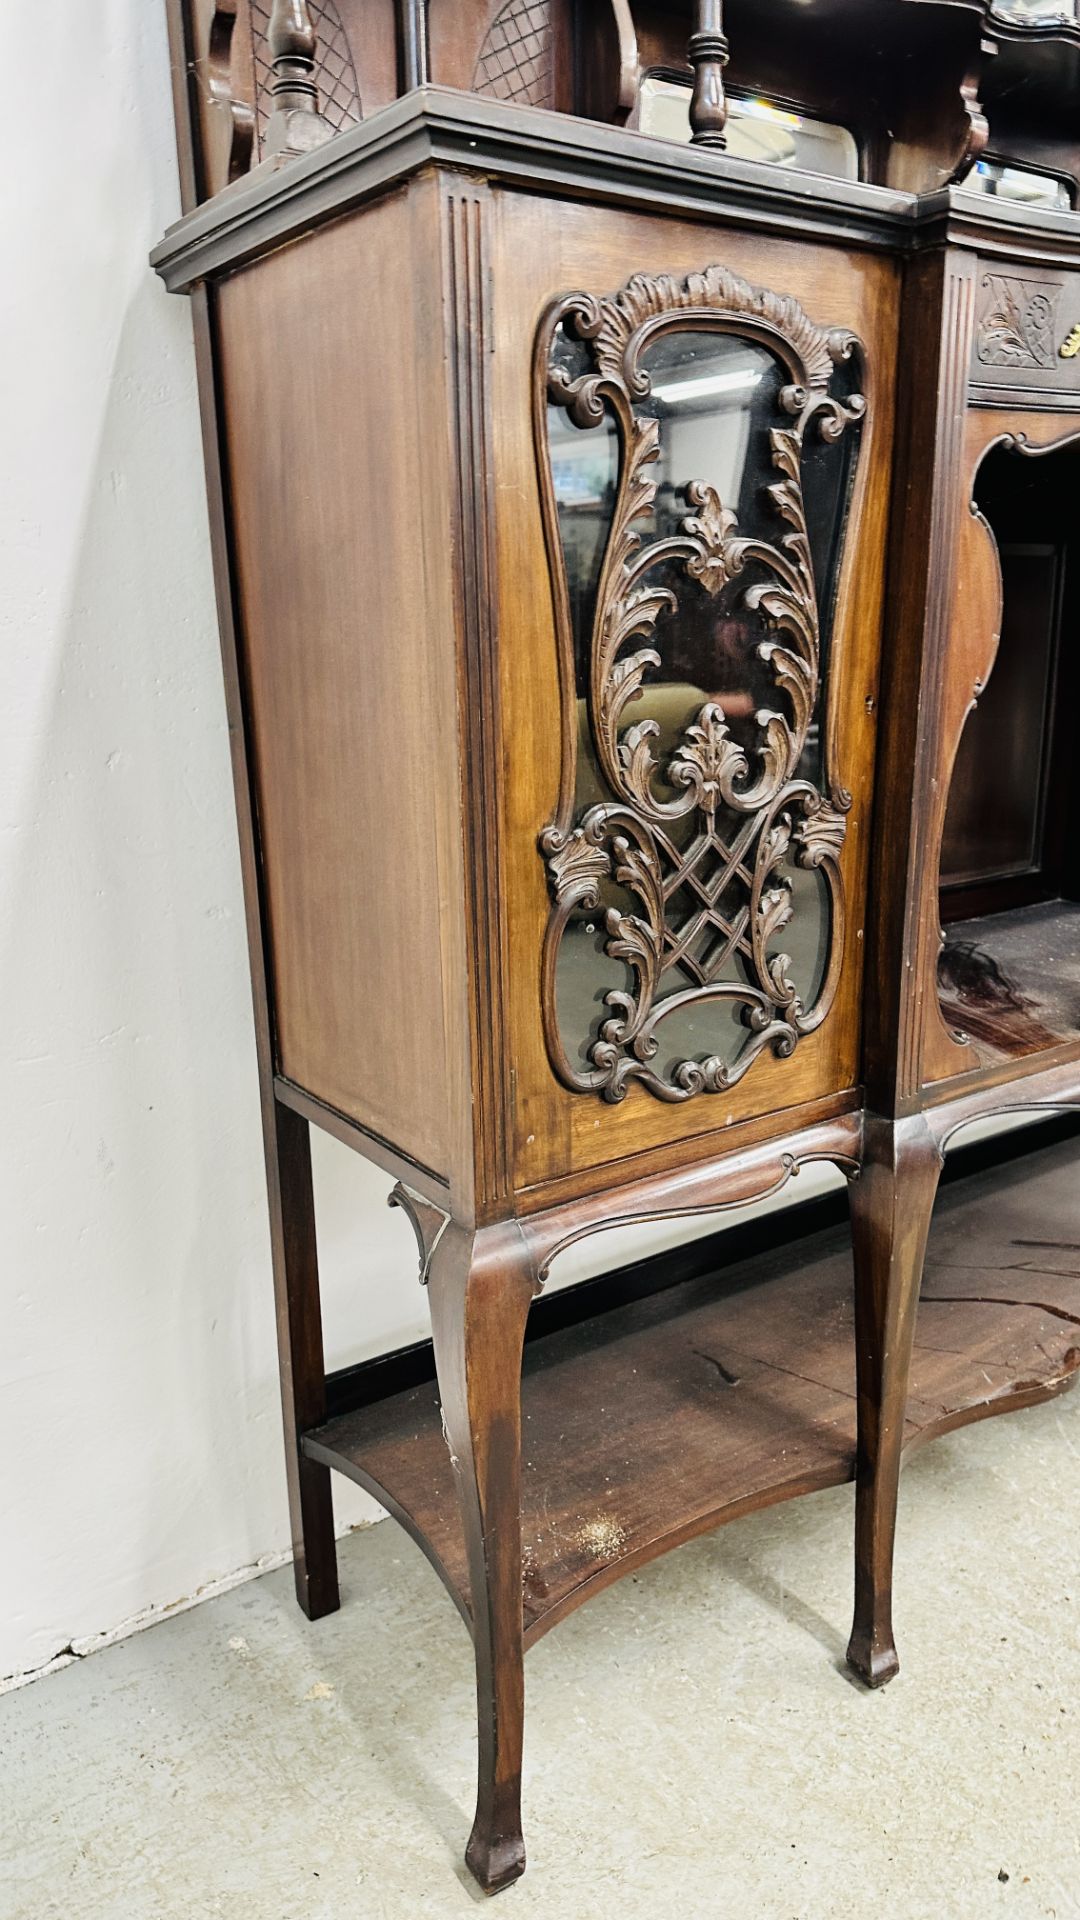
(706, 385)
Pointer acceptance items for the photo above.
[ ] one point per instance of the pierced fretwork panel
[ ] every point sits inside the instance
(517, 60)
(697, 443)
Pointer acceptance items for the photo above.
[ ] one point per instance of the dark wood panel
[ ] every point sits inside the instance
(993, 829)
(370, 27)
(966, 649)
(1015, 780)
(670, 1415)
(1025, 340)
(1038, 443)
(344, 570)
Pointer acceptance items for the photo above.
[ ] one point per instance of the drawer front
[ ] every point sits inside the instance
(1027, 337)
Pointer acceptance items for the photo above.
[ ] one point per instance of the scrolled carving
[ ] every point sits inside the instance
(784, 1167)
(1016, 326)
(621, 327)
(228, 123)
(978, 126)
(428, 1223)
(712, 820)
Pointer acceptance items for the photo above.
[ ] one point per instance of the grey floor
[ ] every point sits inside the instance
(693, 1746)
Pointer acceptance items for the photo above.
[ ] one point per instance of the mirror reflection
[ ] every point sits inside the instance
(716, 398)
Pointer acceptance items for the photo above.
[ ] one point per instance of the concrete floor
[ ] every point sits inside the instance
(693, 1747)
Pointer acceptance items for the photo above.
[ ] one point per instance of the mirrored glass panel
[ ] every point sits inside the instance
(756, 130)
(1018, 184)
(1035, 13)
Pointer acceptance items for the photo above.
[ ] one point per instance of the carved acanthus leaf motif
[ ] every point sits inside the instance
(776, 912)
(623, 318)
(708, 761)
(577, 868)
(746, 812)
(819, 835)
(1017, 324)
(711, 526)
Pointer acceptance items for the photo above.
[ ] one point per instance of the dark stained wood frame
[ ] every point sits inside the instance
(486, 1235)
(384, 1428)
(1051, 871)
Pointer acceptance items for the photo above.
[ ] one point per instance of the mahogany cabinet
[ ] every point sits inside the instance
(612, 534)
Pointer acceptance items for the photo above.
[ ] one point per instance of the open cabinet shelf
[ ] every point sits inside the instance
(665, 1417)
(1011, 981)
(1009, 975)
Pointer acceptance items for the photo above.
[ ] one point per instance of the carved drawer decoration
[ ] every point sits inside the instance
(697, 442)
(1027, 339)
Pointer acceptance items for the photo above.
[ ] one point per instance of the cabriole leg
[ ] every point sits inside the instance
(891, 1205)
(480, 1286)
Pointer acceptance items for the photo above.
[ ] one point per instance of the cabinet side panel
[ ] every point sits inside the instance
(343, 560)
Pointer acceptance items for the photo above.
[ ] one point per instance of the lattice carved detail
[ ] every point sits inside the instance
(751, 812)
(517, 59)
(339, 90)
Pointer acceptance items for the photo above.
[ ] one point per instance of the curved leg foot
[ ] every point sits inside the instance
(480, 1287)
(871, 1652)
(891, 1205)
(496, 1863)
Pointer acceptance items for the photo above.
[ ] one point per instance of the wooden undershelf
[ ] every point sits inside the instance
(1012, 980)
(665, 1417)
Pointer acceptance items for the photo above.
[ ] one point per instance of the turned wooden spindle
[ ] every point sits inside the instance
(707, 52)
(413, 44)
(296, 125)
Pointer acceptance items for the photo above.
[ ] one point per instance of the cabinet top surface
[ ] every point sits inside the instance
(557, 153)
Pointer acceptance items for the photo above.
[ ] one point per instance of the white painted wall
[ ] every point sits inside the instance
(139, 1437)
(139, 1428)
(138, 1400)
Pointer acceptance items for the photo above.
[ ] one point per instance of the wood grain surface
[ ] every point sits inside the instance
(667, 1417)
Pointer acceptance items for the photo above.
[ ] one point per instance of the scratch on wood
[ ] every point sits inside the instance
(977, 1300)
(1055, 1273)
(1055, 1246)
(729, 1379)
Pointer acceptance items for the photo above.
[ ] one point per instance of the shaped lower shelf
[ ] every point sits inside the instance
(665, 1417)
(1011, 981)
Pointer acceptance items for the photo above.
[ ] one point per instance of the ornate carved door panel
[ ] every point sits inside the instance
(697, 441)
(690, 586)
